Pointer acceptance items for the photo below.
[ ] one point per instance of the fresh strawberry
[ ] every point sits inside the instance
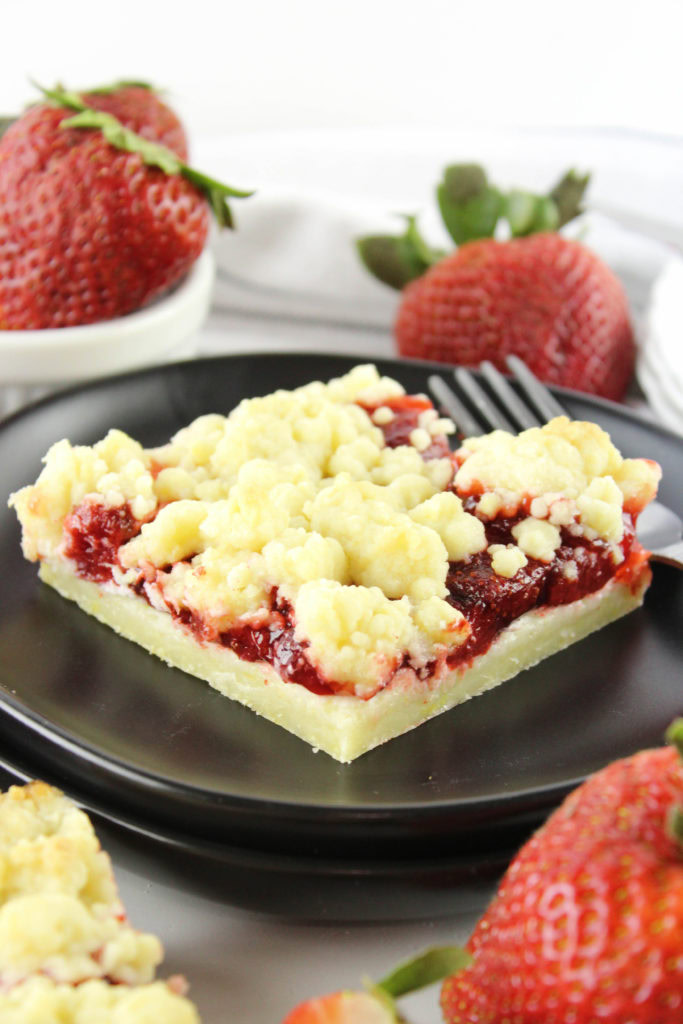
(96, 220)
(546, 299)
(376, 1005)
(587, 924)
(538, 295)
(341, 1008)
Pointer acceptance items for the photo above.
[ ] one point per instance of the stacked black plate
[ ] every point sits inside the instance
(416, 828)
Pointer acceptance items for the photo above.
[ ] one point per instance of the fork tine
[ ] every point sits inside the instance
(451, 404)
(508, 398)
(492, 417)
(537, 393)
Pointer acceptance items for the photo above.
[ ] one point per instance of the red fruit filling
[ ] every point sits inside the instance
(94, 533)
(406, 410)
(489, 602)
(272, 642)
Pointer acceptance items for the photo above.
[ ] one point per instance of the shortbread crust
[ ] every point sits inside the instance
(344, 726)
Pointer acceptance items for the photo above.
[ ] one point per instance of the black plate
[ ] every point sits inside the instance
(152, 744)
(306, 887)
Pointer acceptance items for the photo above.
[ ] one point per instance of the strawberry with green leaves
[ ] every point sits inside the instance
(587, 925)
(376, 1004)
(537, 294)
(99, 211)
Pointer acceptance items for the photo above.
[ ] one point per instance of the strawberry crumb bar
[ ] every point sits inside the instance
(67, 951)
(323, 557)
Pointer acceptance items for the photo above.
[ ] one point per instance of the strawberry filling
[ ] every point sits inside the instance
(489, 602)
(94, 533)
(272, 642)
(407, 410)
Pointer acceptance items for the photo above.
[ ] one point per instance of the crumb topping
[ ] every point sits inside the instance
(566, 471)
(299, 493)
(537, 538)
(41, 999)
(507, 559)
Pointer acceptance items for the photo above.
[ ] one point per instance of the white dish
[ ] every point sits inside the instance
(32, 363)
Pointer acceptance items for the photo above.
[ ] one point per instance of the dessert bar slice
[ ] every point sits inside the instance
(67, 951)
(60, 914)
(323, 557)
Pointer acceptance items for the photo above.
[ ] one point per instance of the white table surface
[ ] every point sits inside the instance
(244, 966)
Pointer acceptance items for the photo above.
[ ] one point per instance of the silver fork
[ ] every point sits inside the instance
(659, 528)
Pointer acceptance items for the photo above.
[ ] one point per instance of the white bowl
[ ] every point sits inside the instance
(33, 363)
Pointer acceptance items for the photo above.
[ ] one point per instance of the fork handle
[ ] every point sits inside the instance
(672, 554)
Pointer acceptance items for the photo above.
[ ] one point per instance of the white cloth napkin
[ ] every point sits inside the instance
(291, 268)
(294, 257)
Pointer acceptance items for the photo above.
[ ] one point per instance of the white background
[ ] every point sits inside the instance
(311, 64)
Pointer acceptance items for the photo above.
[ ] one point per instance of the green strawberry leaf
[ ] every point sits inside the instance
(567, 195)
(384, 999)
(428, 967)
(152, 153)
(397, 259)
(469, 206)
(520, 211)
(389, 259)
(463, 182)
(547, 216)
(528, 214)
(123, 138)
(417, 244)
(5, 122)
(62, 97)
(674, 735)
(216, 193)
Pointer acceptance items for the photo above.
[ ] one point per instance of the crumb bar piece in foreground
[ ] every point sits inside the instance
(323, 557)
(67, 950)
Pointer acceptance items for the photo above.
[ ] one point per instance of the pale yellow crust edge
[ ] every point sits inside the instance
(346, 727)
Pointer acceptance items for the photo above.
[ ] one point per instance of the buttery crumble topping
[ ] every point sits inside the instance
(299, 491)
(40, 1000)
